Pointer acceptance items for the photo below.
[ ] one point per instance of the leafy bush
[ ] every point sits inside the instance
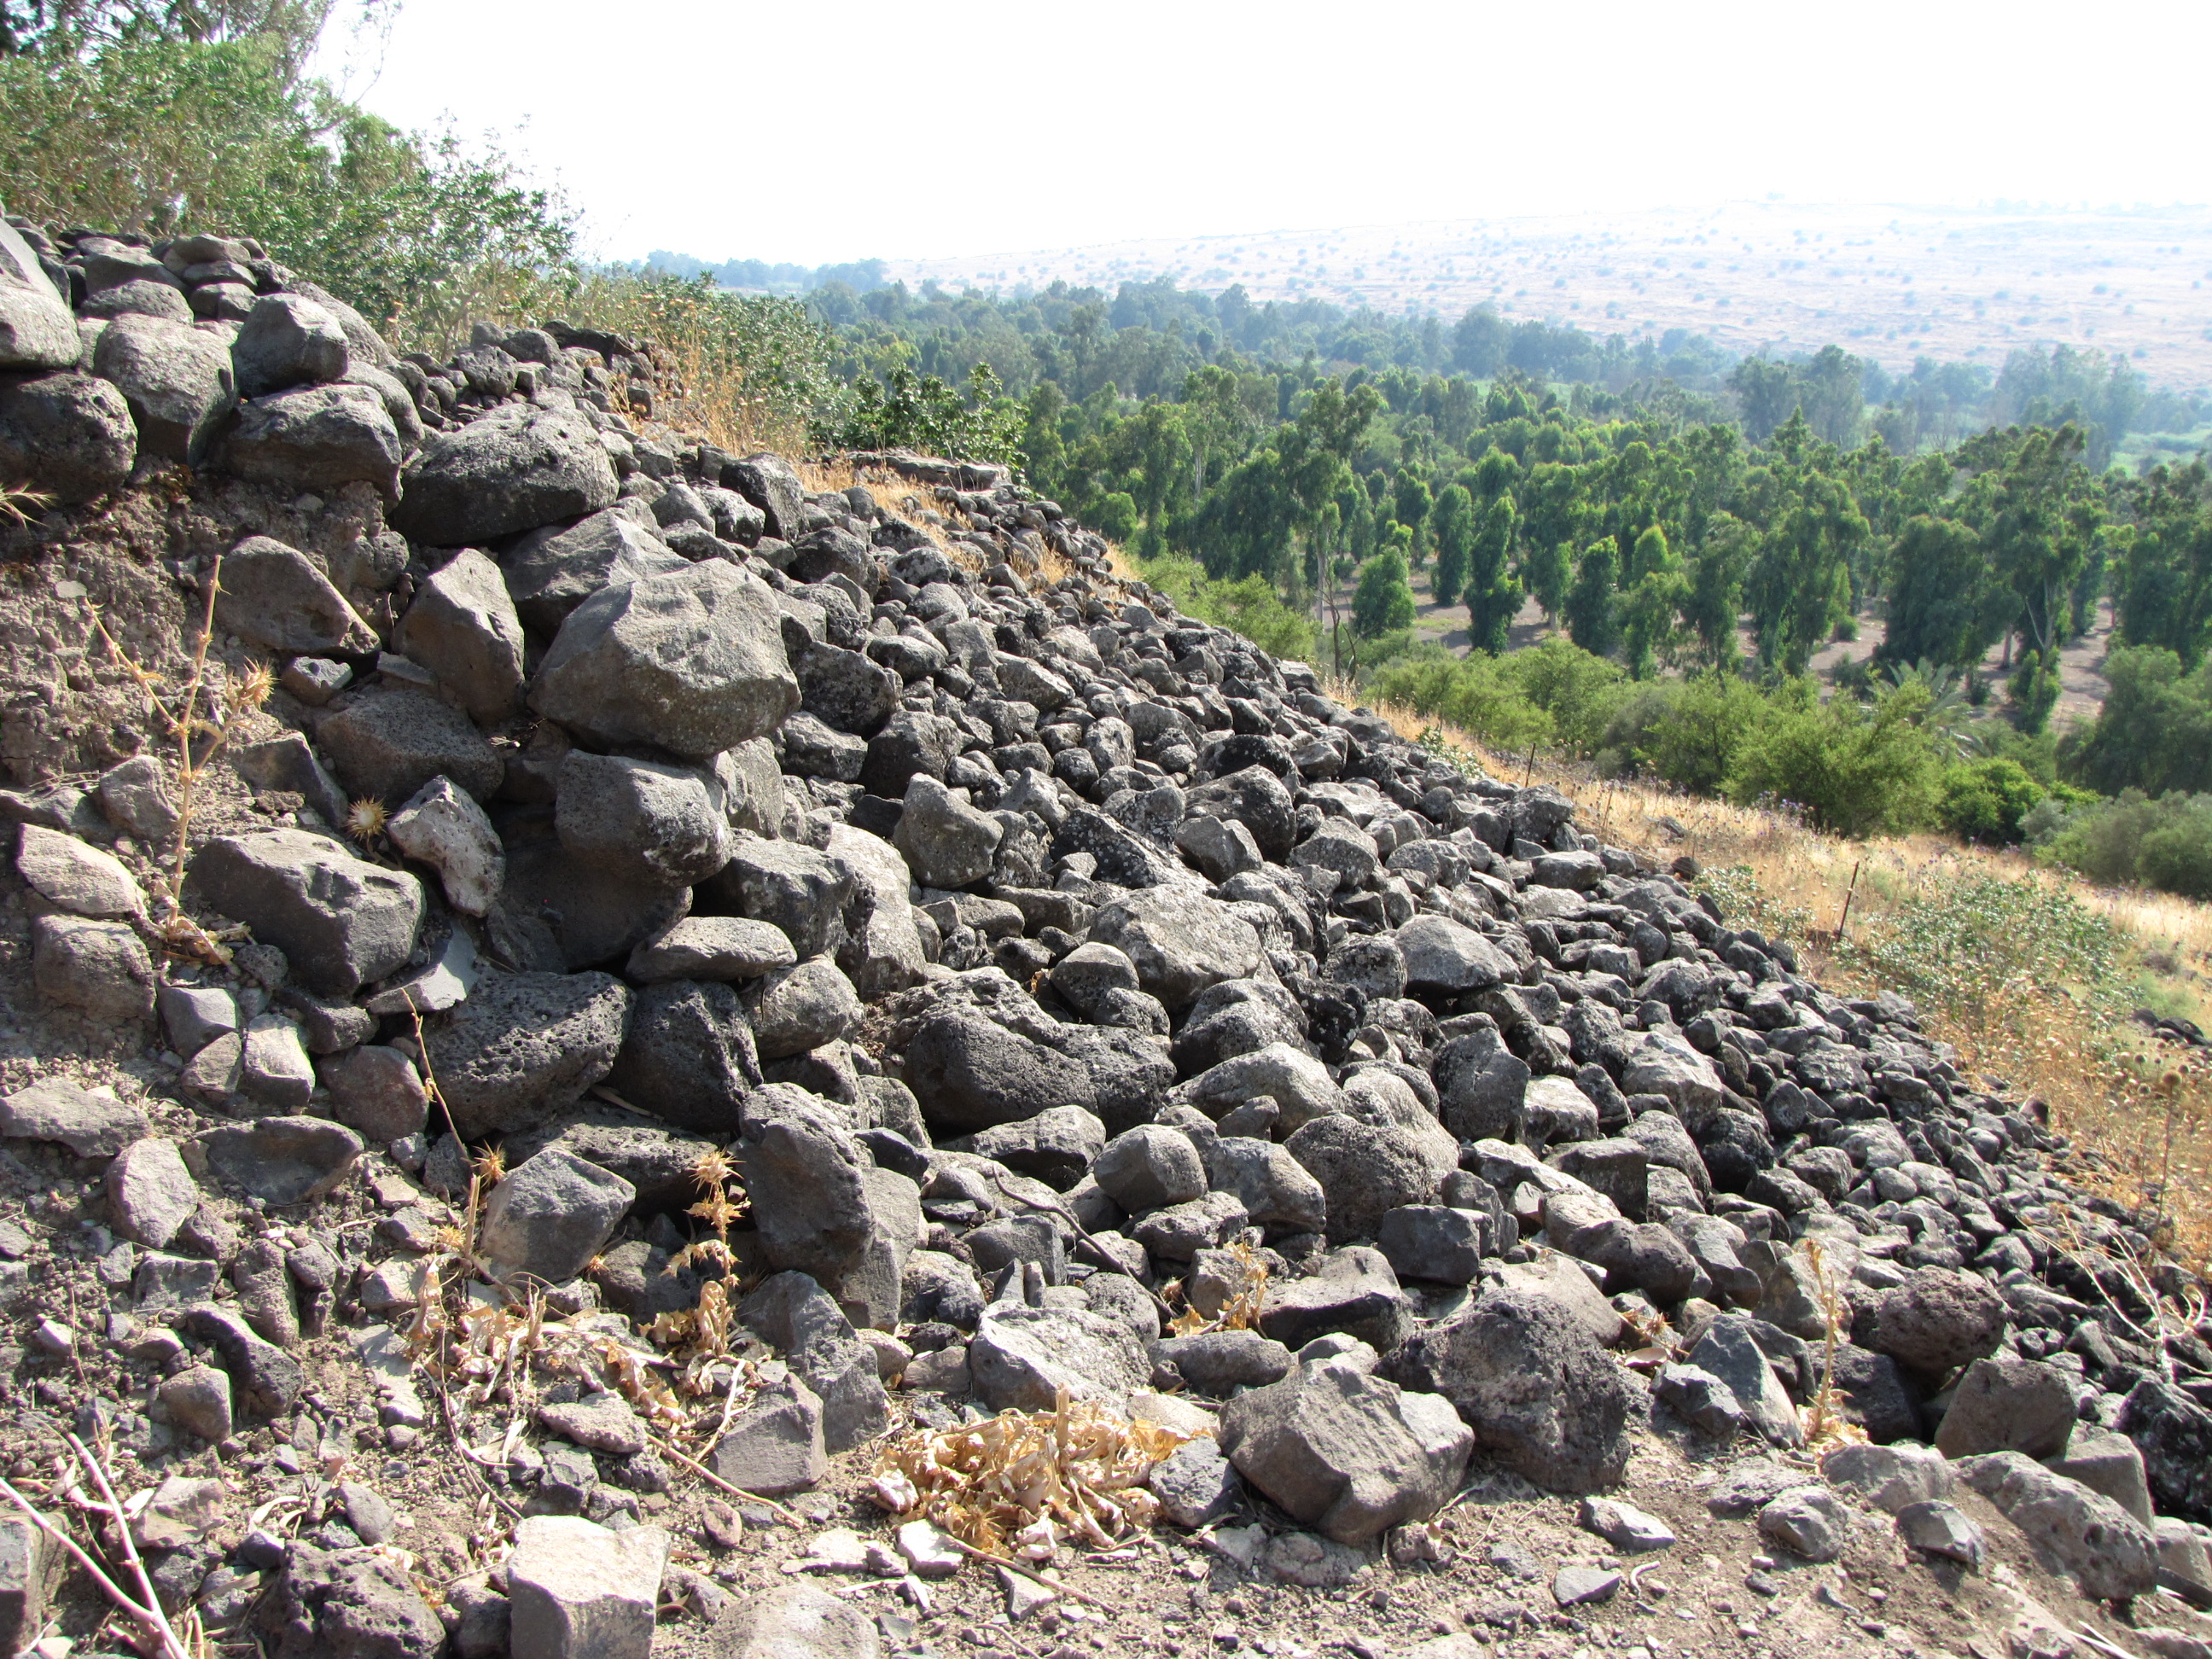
(922, 412)
(1690, 732)
(1478, 693)
(2136, 840)
(2154, 731)
(160, 135)
(1250, 607)
(1985, 801)
(1855, 769)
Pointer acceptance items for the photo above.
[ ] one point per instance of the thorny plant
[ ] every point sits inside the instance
(1019, 1478)
(201, 717)
(1239, 1310)
(20, 503)
(152, 1634)
(2155, 1317)
(704, 1331)
(1825, 1423)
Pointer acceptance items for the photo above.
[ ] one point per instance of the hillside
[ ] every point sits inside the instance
(618, 1049)
(1890, 283)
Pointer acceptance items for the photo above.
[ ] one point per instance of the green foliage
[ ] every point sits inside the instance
(2136, 840)
(1985, 800)
(1481, 695)
(154, 133)
(1383, 601)
(1452, 524)
(2154, 731)
(920, 412)
(1692, 734)
(1493, 595)
(1250, 606)
(1855, 770)
(1592, 606)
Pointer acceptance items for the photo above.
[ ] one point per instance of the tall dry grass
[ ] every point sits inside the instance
(2030, 974)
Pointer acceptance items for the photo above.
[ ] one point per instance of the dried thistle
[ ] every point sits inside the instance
(365, 820)
(19, 502)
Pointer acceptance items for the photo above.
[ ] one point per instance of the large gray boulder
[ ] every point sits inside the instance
(1445, 956)
(688, 1056)
(1938, 1319)
(945, 841)
(796, 1621)
(340, 920)
(388, 742)
(463, 628)
(2108, 1550)
(692, 662)
(70, 435)
(882, 951)
(1180, 941)
(1365, 1171)
(1540, 1394)
(36, 328)
(553, 570)
(513, 469)
(176, 378)
(546, 1220)
(1344, 1451)
(288, 340)
(274, 596)
(970, 1071)
(794, 887)
(319, 438)
(644, 820)
(525, 1046)
(1023, 1357)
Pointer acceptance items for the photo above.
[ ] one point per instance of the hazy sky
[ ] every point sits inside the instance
(827, 132)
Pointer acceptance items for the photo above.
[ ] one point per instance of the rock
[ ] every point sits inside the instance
(340, 920)
(150, 1191)
(318, 438)
(1148, 1167)
(688, 1056)
(974, 1073)
(1663, 1063)
(377, 1092)
(198, 1399)
(1627, 1529)
(1445, 956)
(2107, 1463)
(176, 379)
(775, 1445)
(92, 1123)
(287, 763)
(599, 1422)
(692, 662)
(1574, 1587)
(1481, 1085)
(641, 819)
(1218, 846)
(1353, 1293)
(1942, 1528)
(100, 968)
(1179, 942)
(579, 1591)
(274, 596)
(792, 1313)
(809, 1183)
(36, 332)
(288, 340)
(444, 828)
(386, 743)
(1751, 1484)
(511, 469)
(1890, 1477)
(1058, 1146)
(463, 628)
(1699, 1399)
(661, 1161)
(283, 1160)
(1196, 1485)
(263, 1376)
(946, 842)
(349, 1601)
(1365, 1171)
(882, 951)
(2008, 1405)
(526, 1046)
(551, 571)
(796, 1009)
(717, 948)
(1346, 1452)
(796, 1621)
(1539, 1394)
(1810, 1520)
(1729, 1352)
(2112, 1554)
(1022, 1356)
(72, 433)
(2174, 1434)
(549, 1218)
(1431, 1241)
(1938, 1319)
(1216, 1363)
(801, 891)
(1298, 1082)
(1272, 1187)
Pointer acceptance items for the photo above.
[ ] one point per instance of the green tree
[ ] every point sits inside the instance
(1855, 769)
(1985, 800)
(1945, 605)
(1383, 601)
(1714, 602)
(1453, 526)
(1656, 589)
(1492, 593)
(1546, 570)
(1592, 620)
(2154, 730)
(2163, 580)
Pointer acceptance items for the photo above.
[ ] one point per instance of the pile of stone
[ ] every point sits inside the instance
(1033, 952)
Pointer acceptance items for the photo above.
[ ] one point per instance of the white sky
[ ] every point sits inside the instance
(815, 132)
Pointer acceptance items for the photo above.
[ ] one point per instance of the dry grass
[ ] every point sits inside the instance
(2031, 1025)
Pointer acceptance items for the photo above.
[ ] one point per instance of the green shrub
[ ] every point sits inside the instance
(1855, 769)
(2154, 730)
(1477, 693)
(1251, 607)
(1985, 801)
(1694, 733)
(1581, 693)
(920, 412)
(2136, 840)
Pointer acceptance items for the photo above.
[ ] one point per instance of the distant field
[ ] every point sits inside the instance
(1892, 283)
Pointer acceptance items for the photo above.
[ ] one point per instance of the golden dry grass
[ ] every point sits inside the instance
(2143, 1109)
